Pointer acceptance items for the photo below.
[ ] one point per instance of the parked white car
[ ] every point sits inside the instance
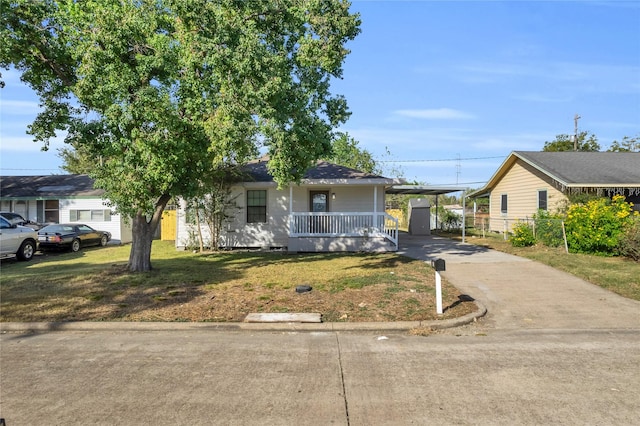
(17, 240)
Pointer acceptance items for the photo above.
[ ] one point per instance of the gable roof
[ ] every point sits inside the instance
(47, 187)
(323, 172)
(576, 169)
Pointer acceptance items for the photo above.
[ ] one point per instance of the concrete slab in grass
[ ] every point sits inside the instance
(283, 317)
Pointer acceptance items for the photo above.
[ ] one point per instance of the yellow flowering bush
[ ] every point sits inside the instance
(598, 225)
(522, 235)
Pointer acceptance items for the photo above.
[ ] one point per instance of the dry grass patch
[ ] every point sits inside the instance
(94, 285)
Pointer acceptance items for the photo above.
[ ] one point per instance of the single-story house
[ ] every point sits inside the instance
(527, 181)
(62, 199)
(333, 208)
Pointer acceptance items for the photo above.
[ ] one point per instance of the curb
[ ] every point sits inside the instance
(43, 327)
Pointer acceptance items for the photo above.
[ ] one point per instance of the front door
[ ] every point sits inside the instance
(319, 204)
(319, 201)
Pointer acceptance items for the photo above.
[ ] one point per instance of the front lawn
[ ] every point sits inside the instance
(94, 285)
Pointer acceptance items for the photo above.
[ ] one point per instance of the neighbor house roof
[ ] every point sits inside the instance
(47, 187)
(576, 169)
(322, 172)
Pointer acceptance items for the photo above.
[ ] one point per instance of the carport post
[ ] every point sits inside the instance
(438, 265)
(464, 208)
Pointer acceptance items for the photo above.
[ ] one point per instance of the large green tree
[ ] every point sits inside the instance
(346, 151)
(161, 92)
(586, 142)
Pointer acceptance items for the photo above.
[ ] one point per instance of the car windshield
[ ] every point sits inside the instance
(57, 228)
(13, 217)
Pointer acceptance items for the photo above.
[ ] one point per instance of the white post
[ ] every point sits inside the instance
(375, 207)
(290, 209)
(464, 207)
(438, 293)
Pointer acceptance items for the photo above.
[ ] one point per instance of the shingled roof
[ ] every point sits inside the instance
(587, 168)
(50, 186)
(576, 169)
(258, 172)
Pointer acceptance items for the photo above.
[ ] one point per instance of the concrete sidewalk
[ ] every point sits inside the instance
(520, 293)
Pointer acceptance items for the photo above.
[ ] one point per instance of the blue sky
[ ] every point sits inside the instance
(433, 81)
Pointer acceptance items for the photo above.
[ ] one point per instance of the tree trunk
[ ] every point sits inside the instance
(142, 237)
(199, 228)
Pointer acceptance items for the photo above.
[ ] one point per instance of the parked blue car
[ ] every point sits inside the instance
(71, 236)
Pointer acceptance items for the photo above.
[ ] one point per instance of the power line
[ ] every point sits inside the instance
(443, 159)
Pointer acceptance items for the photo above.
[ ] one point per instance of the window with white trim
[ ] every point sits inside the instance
(503, 203)
(97, 215)
(256, 206)
(542, 199)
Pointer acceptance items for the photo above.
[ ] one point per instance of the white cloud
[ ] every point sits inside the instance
(581, 77)
(13, 107)
(434, 114)
(536, 97)
(26, 144)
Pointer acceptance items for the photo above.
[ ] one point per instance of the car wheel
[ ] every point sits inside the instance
(104, 240)
(75, 245)
(27, 250)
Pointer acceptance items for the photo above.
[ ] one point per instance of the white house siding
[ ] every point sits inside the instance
(120, 231)
(275, 232)
(25, 208)
(521, 184)
(348, 198)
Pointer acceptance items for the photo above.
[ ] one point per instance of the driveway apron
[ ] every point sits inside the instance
(524, 294)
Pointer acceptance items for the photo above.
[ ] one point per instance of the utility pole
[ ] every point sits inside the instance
(575, 132)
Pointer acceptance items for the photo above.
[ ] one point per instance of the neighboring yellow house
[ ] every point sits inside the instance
(527, 181)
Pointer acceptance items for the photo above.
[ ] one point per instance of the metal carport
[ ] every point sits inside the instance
(430, 190)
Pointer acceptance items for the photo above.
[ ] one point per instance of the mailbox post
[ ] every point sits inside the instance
(438, 265)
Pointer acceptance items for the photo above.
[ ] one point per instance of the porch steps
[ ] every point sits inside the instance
(283, 317)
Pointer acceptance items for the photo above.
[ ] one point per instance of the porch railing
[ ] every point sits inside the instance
(335, 224)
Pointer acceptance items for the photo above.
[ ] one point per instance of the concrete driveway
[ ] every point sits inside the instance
(520, 293)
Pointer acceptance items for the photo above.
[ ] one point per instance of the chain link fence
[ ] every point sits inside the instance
(549, 231)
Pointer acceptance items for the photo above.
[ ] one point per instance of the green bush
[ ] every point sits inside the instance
(630, 241)
(522, 235)
(548, 228)
(598, 226)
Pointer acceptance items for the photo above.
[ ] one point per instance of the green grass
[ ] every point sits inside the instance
(95, 285)
(617, 274)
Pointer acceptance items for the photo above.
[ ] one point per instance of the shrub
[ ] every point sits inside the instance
(630, 241)
(548, 228)
(522, 235)
(598, 226)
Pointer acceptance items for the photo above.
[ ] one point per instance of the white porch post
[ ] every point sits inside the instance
(375, 200)
(375, 206)
(290, 209)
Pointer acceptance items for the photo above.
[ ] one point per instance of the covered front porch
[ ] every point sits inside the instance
(342, 231)
(375, 231)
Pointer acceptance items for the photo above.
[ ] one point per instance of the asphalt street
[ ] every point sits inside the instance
(194, 377)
